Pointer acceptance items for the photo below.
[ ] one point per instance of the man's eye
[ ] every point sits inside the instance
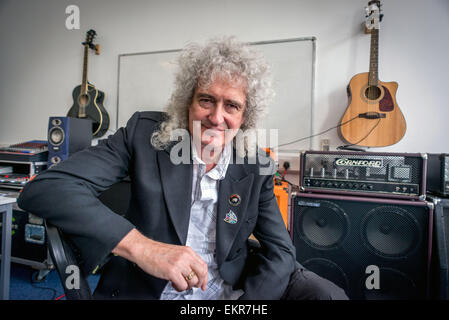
(205, 102)
(233, 106)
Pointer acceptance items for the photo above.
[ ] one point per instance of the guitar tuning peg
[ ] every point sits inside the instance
(97, 49)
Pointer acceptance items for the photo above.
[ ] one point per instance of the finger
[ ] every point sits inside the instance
(204, 285)
(188, 261)
(199, 266)
(192, 279)
(201, 275)
(181, 280)
(179, 283)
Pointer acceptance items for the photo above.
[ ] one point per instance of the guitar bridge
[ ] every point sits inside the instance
(372, 115)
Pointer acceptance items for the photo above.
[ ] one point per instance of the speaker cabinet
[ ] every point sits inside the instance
(440, 261)
(373, 248)
(66, 136)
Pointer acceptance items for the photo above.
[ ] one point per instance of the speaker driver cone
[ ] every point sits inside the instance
(393, 285)
(329, 270)
(56, 122)
(390, 232)
(325, 228)
(55, 159)
(56, 136)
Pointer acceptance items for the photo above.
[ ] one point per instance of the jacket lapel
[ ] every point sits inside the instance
(176, 183)
(236, 182)
(177, 186)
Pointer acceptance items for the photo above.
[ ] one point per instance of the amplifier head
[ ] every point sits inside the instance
(438, 174)
(395, 175)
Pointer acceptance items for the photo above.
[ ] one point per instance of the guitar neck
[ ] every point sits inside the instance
(84, 80)
(374, 58)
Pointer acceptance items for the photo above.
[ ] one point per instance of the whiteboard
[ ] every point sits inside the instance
(145, 82)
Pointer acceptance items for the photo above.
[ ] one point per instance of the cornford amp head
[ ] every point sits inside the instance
(392, 175)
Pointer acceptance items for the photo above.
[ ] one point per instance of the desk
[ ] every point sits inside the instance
(6, 212)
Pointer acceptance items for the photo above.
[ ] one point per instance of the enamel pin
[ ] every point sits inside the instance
(234, 200)
(230, 217)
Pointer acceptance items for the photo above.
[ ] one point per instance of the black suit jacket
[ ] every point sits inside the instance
(160, 203)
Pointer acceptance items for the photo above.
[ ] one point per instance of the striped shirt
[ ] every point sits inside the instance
(201, 236)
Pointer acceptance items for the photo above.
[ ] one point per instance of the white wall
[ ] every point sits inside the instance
(40, 60)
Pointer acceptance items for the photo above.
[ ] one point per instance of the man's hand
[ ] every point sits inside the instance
(166, 261)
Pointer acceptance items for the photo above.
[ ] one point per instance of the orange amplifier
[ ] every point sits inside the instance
(281, 193)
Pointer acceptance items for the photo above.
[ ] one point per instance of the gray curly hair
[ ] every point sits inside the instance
(200, 66)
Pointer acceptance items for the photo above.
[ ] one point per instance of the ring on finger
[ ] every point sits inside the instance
(190, 276)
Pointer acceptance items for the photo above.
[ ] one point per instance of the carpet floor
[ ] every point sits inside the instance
(25, 286)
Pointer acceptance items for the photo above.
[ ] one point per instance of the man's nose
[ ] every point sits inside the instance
(216, 117)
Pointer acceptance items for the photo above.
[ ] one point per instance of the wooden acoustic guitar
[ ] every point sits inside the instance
(373, 118)
(87, 99)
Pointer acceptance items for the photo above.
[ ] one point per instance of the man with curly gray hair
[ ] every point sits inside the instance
(225, 59)
(187, 229)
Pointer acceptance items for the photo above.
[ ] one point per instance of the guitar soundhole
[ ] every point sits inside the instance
(372, 93)
(83, 99)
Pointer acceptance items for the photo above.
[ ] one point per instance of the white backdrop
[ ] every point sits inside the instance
(145, 83)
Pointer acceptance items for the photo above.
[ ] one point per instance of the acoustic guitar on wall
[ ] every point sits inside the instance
(87, 99)
(373, 118)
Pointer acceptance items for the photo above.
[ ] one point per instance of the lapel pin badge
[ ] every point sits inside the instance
(230, 217)
(235, 200)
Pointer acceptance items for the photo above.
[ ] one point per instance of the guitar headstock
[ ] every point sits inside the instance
(373, 15)
(90, 36)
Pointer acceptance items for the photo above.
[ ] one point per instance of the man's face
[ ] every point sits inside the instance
(217, 107)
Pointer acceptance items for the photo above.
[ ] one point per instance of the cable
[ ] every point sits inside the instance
(281, 176)
(341, 124)
(366, 136)
(292, 184)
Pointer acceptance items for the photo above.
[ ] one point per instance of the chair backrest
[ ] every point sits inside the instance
(66, 264)
(62, 252)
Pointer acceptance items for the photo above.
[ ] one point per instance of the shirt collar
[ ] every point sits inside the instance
(219, 171)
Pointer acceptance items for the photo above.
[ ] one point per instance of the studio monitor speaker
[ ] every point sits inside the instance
(373, 248)
(66, 136)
